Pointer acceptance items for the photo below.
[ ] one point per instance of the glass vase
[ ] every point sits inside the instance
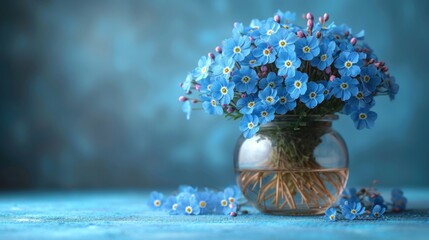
(293, 166)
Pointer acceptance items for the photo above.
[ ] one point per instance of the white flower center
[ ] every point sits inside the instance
(237, 49)
(306, 49)
(288, 63)
(282, 43)
(344, 86)
(297, 84)
(312, 95)
(348, 64)
(203, 204)
(224, 90)
(362, 116)
(157, 203)
(188, 209)
(266, 52)
(224, 203)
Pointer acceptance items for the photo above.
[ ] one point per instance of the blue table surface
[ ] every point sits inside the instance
(124, 215)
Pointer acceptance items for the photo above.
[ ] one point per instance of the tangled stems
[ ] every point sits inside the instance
(292, 178)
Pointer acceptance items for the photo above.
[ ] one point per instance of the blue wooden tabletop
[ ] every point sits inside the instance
(124, 215)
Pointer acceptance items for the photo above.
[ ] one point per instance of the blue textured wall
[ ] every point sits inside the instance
(89, 92)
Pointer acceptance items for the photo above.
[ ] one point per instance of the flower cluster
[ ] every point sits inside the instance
(366, 202)
(190, 201)
(275, 67)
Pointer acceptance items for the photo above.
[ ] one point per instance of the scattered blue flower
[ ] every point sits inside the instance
(170, 205)
(350, 210)
(236, 48)
(344, 87)
(307, 48)
(331, 214)
(363, 118)
(283, 40)
(223, 90)
(272, 80)
(245, 80)
(297, 85)
(247, 104)
(226, 202)
(188, 205)
(156, 200)
(377, 211)
(346, 64)
(287, 63)
(285, 102)
(206, 201)
(264, 54)
(268, 96)
(249, 125)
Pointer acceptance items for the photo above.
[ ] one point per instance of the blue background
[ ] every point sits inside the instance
(89, 92)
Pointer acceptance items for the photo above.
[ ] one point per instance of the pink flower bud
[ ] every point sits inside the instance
(230, 109)
(377, 64)
(318, 34)
(277, 18)
(328, 70)
(353, 41)
(243, 95)
(189, 92)
(181, 84)
(346, 33)
(382, 63)
(310, 23)
(371, 61)
(320, 20)
(384, 69)
(211, 55)
(251, 38)
(183, 99)
(300, 34)
(223, 105)
(332, 78)
(309, 16)
(264, 68)
(325, 17)
(218, 49)
(358, 50)
(235, 24)
(195, 100)
(233, 214)
(197, 87)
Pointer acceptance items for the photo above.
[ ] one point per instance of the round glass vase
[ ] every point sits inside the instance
(293, 166)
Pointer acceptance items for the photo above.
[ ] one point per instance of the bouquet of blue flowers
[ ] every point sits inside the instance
(274, 67)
